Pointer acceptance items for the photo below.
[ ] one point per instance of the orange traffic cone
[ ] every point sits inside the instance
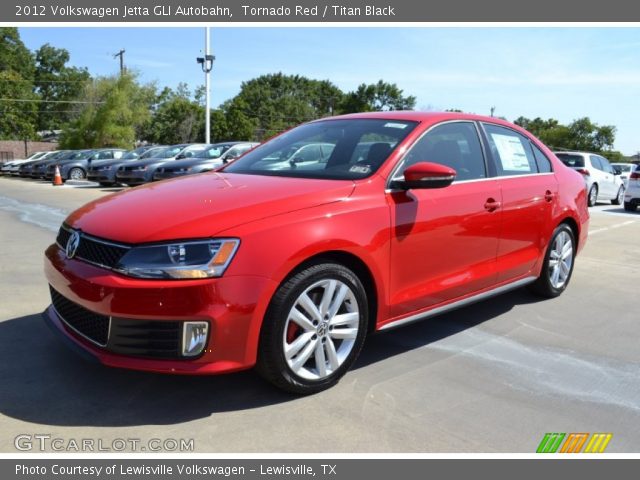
(57, 178)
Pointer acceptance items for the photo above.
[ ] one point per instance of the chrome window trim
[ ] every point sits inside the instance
(458, 304)
(68, 325)
(507, 177)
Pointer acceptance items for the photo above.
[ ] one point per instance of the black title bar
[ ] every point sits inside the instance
(333, 11)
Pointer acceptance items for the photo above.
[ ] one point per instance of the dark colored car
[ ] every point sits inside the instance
(39, 169)
(209, 159)
(289, 270)
(142, 171)
(76, 167)
(104, 171)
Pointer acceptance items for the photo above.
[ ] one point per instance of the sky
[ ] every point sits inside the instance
(549, 72)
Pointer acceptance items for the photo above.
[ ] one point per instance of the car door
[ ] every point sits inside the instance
(444, 241)
(613, 181)
(602, 177)
(529, 192)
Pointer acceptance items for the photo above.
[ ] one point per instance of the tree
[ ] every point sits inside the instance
(581, 134)
(272, 103)
(56, 83)
(113, 112)
(177, 118)
(17, 100)
(377, 97)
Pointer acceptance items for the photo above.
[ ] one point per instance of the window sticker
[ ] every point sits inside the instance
(511, 152)
(364, 169)
(395, 125)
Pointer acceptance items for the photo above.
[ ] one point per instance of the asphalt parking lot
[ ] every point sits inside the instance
(492, 377)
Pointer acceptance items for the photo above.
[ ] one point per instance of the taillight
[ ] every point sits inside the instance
(635, 175)
(584, 171)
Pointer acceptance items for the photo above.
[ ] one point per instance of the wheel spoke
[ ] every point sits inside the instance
(567, 251)
(329, 290)
(305, 302)
(565, 270)
(298, 317)
(321, 361)
(337, 301)
(344, 333)
(332, 355)
(301, 359)
(293, 348)
(349, 319)
(555, 275)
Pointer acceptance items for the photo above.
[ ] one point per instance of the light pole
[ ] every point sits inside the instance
(206, 63)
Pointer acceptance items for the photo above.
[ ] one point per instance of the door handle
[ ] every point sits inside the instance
(491, 205)
(548, 196)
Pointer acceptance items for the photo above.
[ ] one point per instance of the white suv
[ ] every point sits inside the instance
(603, 183)
(632, 195)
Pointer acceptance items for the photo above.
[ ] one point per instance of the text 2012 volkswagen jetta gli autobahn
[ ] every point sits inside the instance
(288, 265)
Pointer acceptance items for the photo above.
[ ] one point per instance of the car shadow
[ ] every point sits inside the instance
(46, 383)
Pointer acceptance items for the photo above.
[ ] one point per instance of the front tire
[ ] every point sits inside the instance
(314, 329)
(619, 197)
(76, 173)
(558, 263)
(630, 207)
(593, 195)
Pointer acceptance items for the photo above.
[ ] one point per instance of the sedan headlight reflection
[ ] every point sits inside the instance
(182, 260)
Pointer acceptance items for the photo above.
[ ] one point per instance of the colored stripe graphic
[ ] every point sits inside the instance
(574, 442)
(598, 443)
(550, 442)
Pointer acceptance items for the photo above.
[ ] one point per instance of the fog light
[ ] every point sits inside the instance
(194, 338)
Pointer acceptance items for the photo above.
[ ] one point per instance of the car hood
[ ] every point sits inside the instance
(201, 206)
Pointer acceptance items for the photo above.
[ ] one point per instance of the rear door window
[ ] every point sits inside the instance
(511, 151)
(595, 161)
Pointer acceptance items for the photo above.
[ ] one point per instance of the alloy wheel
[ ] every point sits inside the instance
(321, 329)
(560, 260)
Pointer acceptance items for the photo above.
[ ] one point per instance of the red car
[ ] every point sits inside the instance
(288, 263)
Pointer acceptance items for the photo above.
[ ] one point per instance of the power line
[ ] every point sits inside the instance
(27, 100)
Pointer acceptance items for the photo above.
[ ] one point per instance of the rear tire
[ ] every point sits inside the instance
(619, 197)
(314, 329)
(106, 184)
(630, 207)
(558, 263)
(593, 195)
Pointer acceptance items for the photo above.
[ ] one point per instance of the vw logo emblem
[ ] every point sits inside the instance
(72, 244)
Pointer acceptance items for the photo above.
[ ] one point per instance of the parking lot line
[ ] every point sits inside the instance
(610, 227)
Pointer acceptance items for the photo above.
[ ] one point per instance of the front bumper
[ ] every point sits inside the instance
(132, 178)
(233, 306)
(168, 175)
(102, 176)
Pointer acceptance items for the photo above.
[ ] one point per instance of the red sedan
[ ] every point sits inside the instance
(287, 258)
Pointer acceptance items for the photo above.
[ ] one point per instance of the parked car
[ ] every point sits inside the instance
(104, 171)
(39, 169)
(632, 194)
(142, 171)
(11, 167)
(290, 270)
(603, 183)
(624, 170)
(24, 169)
(208, 159)
(76, 168)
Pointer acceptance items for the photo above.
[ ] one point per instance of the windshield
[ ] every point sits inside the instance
(168, 152)
(214, 151)
(151, 153)
(334, 149)
(134, 153)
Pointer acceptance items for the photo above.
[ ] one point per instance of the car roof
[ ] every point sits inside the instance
(413, 116)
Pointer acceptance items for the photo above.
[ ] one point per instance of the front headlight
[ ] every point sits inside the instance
(184, 260)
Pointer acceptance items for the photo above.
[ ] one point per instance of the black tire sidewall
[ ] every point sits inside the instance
(595, 200)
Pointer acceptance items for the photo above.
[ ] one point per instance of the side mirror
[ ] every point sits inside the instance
(425, 175)
(180, 156)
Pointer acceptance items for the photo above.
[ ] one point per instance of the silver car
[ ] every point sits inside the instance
(603, 182)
